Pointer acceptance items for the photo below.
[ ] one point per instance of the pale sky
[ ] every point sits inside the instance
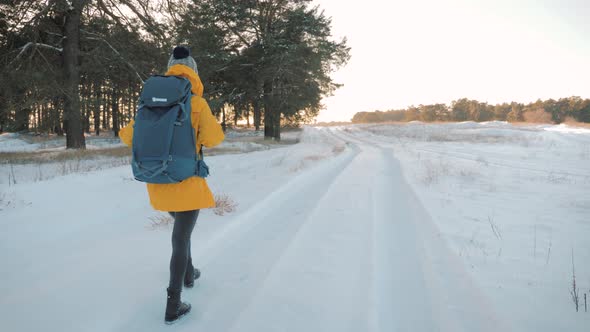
(429, 51)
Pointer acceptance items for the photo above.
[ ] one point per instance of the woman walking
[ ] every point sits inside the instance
(183, 200)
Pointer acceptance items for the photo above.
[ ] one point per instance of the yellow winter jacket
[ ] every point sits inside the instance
(192, 193)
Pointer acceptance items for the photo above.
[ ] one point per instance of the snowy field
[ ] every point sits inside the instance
(29, 158)
(416, 227)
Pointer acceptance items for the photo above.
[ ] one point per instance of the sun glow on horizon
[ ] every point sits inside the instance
(423, 52)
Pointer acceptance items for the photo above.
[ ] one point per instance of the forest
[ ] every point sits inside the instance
(76, 67)
(542, 111)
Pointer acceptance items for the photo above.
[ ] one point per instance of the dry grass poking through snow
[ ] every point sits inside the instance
(161, 220)
(224, 204)
(39, 157)
(338, 149)
(431, 172)
(434, 171)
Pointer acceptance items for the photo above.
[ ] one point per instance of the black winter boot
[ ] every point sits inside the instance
(189, 278)
(175, 308)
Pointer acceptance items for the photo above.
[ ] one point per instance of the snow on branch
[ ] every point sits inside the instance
(35, 45)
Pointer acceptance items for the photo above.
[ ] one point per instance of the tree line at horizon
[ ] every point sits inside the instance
(75, 67)
(542, 111)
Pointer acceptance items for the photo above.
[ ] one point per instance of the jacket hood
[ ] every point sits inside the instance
(188, 73)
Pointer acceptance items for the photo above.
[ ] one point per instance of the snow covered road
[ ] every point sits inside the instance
(329, 236)
(342, 247)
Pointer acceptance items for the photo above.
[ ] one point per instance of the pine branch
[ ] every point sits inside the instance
(145, 19)
(98, 38)
(32, 44)
(237, 33)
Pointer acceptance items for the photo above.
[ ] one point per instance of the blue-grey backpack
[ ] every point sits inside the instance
(164, 142)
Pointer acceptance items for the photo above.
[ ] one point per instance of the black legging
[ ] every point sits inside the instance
(181, 260)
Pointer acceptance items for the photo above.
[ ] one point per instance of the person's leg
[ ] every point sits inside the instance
(189, 275)
(184, 222)
(189, 262)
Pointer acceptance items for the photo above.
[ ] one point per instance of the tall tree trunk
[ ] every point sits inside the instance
(248, 115)
(134, 101)
(223, 123)
(46, 116)
(37, 118)
(71, 53)
(129, 97)
(268, 111)
(85, 94)
(257, 114)
(56, 124)
(105, 108)
(277, 125)
(278, 107)
(97, 103)
(43, 117)
(268, 124)
(115, 102)
(3, 113)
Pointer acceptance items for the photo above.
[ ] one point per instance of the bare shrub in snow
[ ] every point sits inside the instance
(278, 161)
(224, 204)
(11, 177)
(558, 178)
(57, 156)
(467, 174)
(431, 173)
(301, 164)
(39, 170)
(337, 149)
(314, 157)
(69, 167)
(549, 251)
(438, 137)
(39, 174)
(575, 290)
(161, 220)
(482, 160)
(434, 171)
(495, 228)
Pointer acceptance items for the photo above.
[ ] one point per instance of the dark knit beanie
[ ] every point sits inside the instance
(181, 55)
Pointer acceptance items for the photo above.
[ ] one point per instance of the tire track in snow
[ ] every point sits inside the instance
(237, 261)
(358, 267)
(323, 280)
(400, 299)
(420, 284)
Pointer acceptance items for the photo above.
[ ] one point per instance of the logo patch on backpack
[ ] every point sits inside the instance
(159, 100)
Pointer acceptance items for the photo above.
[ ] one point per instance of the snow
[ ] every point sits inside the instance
(512, 202)
(13, 142)
(563, 128)
(48, 149)
(416, 227)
